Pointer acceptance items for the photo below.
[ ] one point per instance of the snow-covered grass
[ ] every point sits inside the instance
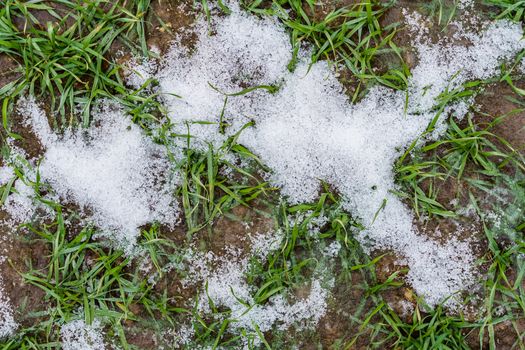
(351, 146)
(248, 118)
(112, 171)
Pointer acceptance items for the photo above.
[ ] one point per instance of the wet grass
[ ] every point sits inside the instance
(512, 9)
(207, 192)
(470, 148)
(488, 173)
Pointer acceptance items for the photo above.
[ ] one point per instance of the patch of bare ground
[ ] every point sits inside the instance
(500, 100)
(8, 72)
(20, 248)
(350, 304)
(395, 16)
(390, 271)
(28, 141)
(462, 228)
(169, 21)
(236, 230)
(505, 334)
(141, 337)
(335, 328)
(19, 251)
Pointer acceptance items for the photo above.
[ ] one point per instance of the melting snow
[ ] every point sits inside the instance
(6, 173)
(305, 132)
(224, 280)
(308, 131)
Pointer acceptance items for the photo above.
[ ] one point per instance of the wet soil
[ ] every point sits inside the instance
(171, 20)
(28, 141)
(500, 100)
(10, 70)
(21, 254)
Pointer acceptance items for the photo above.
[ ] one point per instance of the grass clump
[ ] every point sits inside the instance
(83, 278)
(350, 36)
(213, 184)
(67, 57)
(511, 9)
(432, 330)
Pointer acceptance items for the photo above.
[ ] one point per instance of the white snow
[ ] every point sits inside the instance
(112, 170)
(6, 173)
(332, 250)
(21, 203)
(77, 335)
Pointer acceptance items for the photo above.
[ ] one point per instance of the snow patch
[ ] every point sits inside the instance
(308, 131)
(6, 174)
(111, 170)
(77, 335)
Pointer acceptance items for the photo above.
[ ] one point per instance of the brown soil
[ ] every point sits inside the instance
(497, 101)
(18, 251)
(171, 20)
(336, 327)
(505, 334)
(234, 232)
(29, 142)
(9, 72)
